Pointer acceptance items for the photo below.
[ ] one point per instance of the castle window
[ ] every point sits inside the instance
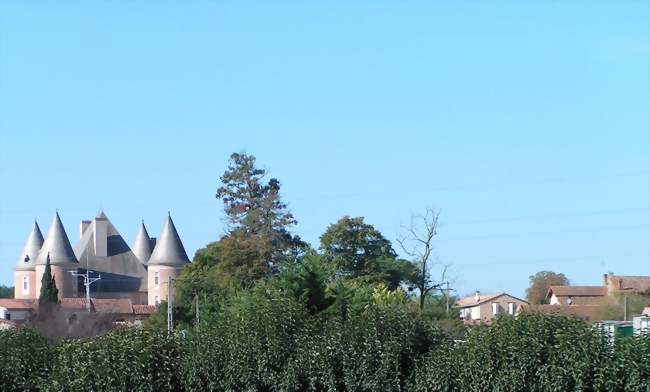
(156, 278)
(25, 285)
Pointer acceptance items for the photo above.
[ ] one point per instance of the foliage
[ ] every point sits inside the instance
(539, 284)
(613, 307)
(628, 368)
(6, 292)
(264, 340)
(306, 281)
(350, 244)
(248, 347)
(49, 294)
(25, 359)
(122, 360)
(357, 250)
(259, 220)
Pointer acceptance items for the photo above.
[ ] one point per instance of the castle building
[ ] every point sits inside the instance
(140, 274)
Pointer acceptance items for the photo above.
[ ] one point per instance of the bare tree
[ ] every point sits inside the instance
(417, 241)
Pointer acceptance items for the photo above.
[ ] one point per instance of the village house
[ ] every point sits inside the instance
(583, 301)
(482, 309)
(575, 295)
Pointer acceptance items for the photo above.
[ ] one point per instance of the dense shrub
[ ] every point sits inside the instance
(269, 342)
(122, 360)
(374, 350)
(25, 358)
(537, 353)
(248, 347)
(628, 368)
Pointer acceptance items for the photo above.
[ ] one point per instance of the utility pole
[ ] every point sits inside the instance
(170, 308)
(87, 282)
(196, 297)
(447, 295)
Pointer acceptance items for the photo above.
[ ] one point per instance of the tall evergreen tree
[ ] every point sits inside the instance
(49, 293)
(258, 219)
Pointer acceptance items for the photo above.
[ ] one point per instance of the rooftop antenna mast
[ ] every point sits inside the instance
(87, 282)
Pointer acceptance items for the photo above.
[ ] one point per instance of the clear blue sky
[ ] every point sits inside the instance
(526, 123)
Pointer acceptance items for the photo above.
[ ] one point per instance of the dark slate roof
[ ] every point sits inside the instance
(121, 271)
(142, 245)
(56, 245)
(33, 245)
(169, 249)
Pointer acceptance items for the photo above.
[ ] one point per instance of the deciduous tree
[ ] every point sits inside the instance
(539, 284)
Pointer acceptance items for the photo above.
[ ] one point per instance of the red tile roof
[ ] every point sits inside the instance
(99, 305)
(144, 309)
(585, 312)
(471, 300)
(11, 303)
(577, 291)
(638, 284)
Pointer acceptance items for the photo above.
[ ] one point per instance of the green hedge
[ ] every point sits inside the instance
(25, 359)
(273, 344)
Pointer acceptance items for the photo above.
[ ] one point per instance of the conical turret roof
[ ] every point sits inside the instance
(57, 245)
(142, 245)
(33, 245)
(169, 249)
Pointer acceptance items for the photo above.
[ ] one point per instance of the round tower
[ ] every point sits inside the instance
(25, 273)
(62, 260)
(165, 264)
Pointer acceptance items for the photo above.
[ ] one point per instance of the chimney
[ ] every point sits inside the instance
(101, 235)
(82, 227)
(477, 296)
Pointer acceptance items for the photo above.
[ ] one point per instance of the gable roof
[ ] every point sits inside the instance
(577, 291)
(169, 249)
(120, 269)
(27, 258)
(483, 298)
(56, 245)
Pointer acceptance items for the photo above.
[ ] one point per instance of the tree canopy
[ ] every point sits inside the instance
(539, 284)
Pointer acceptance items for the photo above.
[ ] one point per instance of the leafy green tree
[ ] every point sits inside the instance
(307, 281)
(49, 293)
(357, 250)
(350, 244)
(539, 284)
(6, 292)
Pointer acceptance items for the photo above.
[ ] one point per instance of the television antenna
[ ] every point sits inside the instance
(88, 280)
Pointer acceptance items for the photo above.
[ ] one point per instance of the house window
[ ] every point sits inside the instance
(8, 316)
(512, 307)
(156, 300)
(495, 308)
(156, 278)
(25, 285)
